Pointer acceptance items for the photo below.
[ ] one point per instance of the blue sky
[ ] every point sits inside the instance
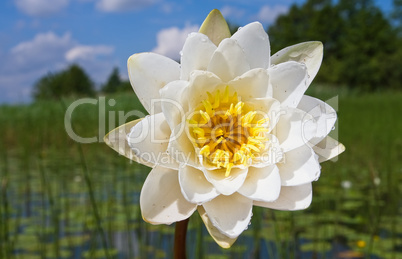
(41, 36)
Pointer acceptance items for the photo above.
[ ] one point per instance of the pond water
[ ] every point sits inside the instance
(47, 212)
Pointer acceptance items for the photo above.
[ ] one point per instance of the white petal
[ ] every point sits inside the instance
(181, 148)
(161, 200)
(221, 239)
(148, 73)
(291, 198)
(299, 166)
(255, 43)
(328, 148)
(262, 184)
(226, 185)
(200, 83)
(271, 155)
(294, 128)
(117, 140)
(149, 140)
(252, 84)
(310, 53)
(289, 82)
(194, 186)
(197, 52)
(324, 115)
(229, 214)
(173, 106)
(267, 108)
(228, 61)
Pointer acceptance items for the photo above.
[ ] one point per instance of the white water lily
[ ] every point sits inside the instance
(231, 128)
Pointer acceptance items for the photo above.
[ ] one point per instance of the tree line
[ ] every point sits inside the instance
(74, 81)
(362, 48)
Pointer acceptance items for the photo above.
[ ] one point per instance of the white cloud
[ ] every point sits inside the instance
(40, 8)
(25, 63)
(171, 40)
(123, 5)
(232, 12)
(45, 48)
(87, 52)
(268, 14)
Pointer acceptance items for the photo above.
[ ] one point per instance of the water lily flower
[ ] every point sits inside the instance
(229, 128)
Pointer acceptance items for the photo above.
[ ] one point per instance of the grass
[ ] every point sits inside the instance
(46, 210)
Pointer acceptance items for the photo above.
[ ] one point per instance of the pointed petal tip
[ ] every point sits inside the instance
(221, 239)
(215, 12)
(106, 139)
(342, 148)
(131, 59)
(116, 140)
(328, 149)
(319, 44)
(215, 27)
(316, 43)
(310, 53)
(147, 221)
(225, 244)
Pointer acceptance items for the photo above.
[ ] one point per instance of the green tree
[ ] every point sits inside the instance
(397, 14)
(315, 20)
(360, 44)
(367, 45)
(113, 83)
(69, 82)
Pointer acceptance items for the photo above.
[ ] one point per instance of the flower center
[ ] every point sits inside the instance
(227, 131)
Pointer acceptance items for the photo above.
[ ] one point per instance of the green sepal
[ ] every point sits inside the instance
(215, 27)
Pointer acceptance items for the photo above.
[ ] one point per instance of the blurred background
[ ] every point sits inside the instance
(62, 199)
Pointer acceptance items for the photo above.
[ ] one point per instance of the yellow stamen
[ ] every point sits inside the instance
(250, 146)
(227, 132)
(262, 121)
(228, 168)
(220, 140)
(194, 122)
(198, 131)
(219, 132)
(239, 107)
(259, 130)
(205, 151)
(225, 98)
(237, 156)
(205, 116)
(208, 107)
(216, 101)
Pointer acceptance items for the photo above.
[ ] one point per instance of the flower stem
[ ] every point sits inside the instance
(180, 239)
